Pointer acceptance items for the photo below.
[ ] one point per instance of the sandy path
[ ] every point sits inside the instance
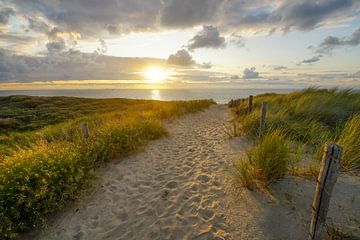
(179, 187)
(171, 190)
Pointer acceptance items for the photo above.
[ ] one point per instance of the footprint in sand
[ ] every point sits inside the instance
(204, 178)
(171, 185)
(170, 190)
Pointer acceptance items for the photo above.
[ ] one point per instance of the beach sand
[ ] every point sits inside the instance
(181, 187)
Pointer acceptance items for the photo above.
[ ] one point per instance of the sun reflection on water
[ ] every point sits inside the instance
(155, 94)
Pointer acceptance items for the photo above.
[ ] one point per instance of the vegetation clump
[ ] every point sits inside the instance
(48, 162)
(309, 118)
(266, 162)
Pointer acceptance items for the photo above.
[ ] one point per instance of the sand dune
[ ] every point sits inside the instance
(179, 187)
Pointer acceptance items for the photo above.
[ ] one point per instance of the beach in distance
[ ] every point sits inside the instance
(219, 95)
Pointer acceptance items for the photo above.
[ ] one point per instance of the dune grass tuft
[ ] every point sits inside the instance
(266, 162)
(350, 141)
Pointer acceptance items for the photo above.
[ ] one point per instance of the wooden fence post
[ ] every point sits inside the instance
(262, 119)
(328, 174)
(85, 129)
(250, 103)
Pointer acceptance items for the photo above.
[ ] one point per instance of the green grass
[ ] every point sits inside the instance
(47, 162)
(350, 140)
(266, 162)
(311, 118)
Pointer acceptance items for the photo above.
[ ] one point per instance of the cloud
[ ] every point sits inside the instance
(5, 14)
(311, 60)
(279, 68)
(331, 42)
(94, 18)
(181, 58)
(16, 41)
(237, 40)
(208, 37)
(283, 15)
(71, 65)
(102, 49)
(206, 65)
(59, 41)
(188, 13)
(56, 46)
(250, 73)
(37, 24)
(356, 74)
(307, 15)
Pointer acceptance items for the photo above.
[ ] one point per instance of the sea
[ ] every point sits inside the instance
(219, 95)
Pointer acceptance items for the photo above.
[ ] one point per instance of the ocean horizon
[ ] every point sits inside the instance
(221, 96)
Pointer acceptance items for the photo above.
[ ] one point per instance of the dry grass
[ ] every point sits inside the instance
(41, 170)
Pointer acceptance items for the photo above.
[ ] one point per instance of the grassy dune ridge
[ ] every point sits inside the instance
(307, 119)
(47, 162)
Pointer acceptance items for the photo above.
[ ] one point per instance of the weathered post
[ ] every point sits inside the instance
(262, 119)
(85, 129)
(328, 174)
(250, 103)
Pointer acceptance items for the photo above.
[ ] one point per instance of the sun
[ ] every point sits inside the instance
(155, 75)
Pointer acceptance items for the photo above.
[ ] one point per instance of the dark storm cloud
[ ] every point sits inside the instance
(208, 37)
(181, 58)
(250, 73)
(330, 42)
(188, 13)
(5, 14)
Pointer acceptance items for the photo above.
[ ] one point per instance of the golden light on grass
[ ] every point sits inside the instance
(155, 75)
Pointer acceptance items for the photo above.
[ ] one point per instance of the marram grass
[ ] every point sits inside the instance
(43, 169)
(266, 162)
(350, 141)
(311, 117)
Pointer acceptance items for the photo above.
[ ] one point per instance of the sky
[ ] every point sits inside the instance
(46, 44)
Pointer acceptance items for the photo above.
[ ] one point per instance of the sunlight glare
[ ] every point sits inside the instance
(155, 75)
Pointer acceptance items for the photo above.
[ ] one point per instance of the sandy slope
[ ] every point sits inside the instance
(179, 187)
